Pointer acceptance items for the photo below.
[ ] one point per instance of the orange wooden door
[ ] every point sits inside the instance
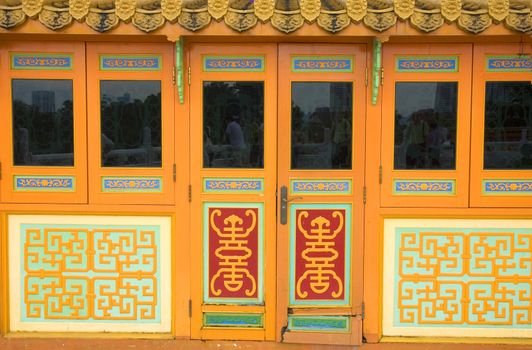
(233, 95)
(131, 102)
(43, 150)
(425, 125)
(501, 138)
(321, 125)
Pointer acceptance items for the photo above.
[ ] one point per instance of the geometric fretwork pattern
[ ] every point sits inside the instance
(90, 273)
(463, 277)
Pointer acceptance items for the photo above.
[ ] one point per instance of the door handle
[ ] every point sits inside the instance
(284, 204)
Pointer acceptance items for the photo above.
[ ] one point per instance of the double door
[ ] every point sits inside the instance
(277, 179)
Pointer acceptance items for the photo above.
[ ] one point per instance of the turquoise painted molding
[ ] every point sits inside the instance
(340, 324)
(233, 185)
(132, 184)
(377, 64)
(320, 187)
(179, 69)
(228, 63)
(130, 62)
(424, 187)
(507, 187)
(237, 320)
(41, 61)
(37, 183)
(507, 63)
(319, 64)
(426, 64)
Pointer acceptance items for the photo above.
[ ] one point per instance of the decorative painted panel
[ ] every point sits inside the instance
(320, 254)
(23, 183)
(506, 187)
(323, 187)
(233, 185)
(233, 64)
(335, 64)
(233, 253)
(426, 64)
(130, 63)
(509, 63)
(424, 187)
(132, 184)
(218, 319)
(41, 61)
(319, 323)
(447, 277)
(89, 273)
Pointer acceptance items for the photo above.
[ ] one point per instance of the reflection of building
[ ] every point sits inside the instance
(445, 98)
(43, 100)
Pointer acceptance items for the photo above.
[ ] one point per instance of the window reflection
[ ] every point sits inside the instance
(322, 125)
(425, 125)
(43, 133)
(508, 125)
(233, 124)
(130, 123)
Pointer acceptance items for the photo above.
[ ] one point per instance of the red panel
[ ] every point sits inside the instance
(233, 253)
(320, 254)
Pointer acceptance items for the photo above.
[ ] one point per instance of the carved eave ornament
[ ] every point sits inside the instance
(473, 16)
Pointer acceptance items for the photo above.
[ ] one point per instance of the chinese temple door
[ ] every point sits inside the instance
(321, 127)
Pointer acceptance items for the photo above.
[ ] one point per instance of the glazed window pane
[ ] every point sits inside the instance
(43, 133)
(233, 124)
(322, 125)
(425, 125)
(508, 125)
(130, 123)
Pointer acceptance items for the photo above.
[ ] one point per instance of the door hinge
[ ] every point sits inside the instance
(382, 75)
(380, 174)
(189, 74)
(366, 76)
(174, 172)
(189, 308)
(174, 73)
(364, 195)
(189, 193)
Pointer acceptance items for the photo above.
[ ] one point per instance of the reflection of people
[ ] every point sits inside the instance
(416, 133)
(236, 139)
(341, 137)
(435, 140)
(207, 147)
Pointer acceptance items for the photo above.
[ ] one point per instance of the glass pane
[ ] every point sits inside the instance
(233, 124)
(43, 131)
(508, 125)
(425, 125)
(131, 123)
(322, 119)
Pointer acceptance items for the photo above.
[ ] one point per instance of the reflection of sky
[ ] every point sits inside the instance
(309, 96)
(411, 97)
(23, 89)
(113, 89)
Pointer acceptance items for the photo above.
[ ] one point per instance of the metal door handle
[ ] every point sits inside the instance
(284, 204)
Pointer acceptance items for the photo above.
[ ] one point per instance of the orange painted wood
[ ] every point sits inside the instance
(168, 101)
(356, 175)
(197, 173)
(391, 77)
(478, 173)
(79, 169)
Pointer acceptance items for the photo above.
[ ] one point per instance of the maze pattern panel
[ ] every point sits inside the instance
(92, 275)
(453, 275)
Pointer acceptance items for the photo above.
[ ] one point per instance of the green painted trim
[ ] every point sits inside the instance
(377, 64)
(351, 59)
(488, 69)
(233, 320)
(159, 67)
(333, 324)
(15, 55)
(179, 70)
(509, 193)
(258, 180)
(262, 67)
(454, 58)
(450, 193)
(157, 189)
(17, 188)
